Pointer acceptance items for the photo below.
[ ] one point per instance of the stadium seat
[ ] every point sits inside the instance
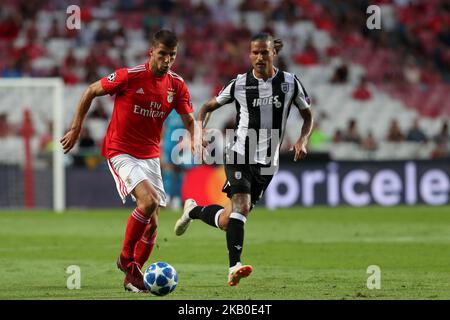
(57, 49)
(254, 21)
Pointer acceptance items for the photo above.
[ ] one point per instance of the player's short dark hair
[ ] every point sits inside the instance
(165, 37)
(264, 36)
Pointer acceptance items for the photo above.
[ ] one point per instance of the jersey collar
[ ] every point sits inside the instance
(268, 79)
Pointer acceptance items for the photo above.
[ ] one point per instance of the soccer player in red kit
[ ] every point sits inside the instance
(144, 97)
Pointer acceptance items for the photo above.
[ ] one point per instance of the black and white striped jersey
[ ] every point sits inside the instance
(263, 106)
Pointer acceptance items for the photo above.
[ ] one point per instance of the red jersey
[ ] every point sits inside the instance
(141, 105)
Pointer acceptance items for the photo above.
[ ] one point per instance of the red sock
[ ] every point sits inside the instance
(134, 231)
(144, 249)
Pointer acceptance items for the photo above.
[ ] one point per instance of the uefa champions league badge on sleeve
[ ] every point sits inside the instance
(112, 77)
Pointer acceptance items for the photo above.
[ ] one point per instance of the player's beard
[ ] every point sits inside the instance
(263, 69)
(164, 69)
(159, 70)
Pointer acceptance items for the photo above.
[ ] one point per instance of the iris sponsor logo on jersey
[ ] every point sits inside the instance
(258, 102)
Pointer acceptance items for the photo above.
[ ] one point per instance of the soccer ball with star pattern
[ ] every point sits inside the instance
(160, 278)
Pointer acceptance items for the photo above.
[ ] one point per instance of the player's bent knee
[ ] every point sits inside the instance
(149, 204)
(223, 222)
(243, 209)
(241, 203)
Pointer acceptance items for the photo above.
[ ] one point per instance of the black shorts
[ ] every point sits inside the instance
(246, 178)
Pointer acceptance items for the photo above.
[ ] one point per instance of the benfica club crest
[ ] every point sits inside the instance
(285, 87)
(170, 95)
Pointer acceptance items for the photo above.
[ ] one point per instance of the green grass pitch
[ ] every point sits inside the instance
(297, 253)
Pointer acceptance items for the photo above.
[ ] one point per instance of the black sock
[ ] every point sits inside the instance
(206, 214)
(235, 240)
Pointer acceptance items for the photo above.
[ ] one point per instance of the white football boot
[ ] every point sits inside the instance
(237, 273)
(183, 223)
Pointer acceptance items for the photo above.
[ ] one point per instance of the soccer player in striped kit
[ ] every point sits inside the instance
(144, 97)
(263, 98)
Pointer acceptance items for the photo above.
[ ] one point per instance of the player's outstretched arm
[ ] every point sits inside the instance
(194, 132)
(299, 147)
(71, 137)
(205, 111)
(204, 115)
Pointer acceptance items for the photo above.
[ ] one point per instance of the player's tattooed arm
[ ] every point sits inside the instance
(206, 110)
(205, 114)
(72, 136)
(299, 147)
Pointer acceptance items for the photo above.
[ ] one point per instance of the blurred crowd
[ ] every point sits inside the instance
(417, 31)
(415, 134)
(208, 35)
(416, 35)
(413, 49)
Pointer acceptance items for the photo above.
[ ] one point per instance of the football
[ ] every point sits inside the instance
(160, 278)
